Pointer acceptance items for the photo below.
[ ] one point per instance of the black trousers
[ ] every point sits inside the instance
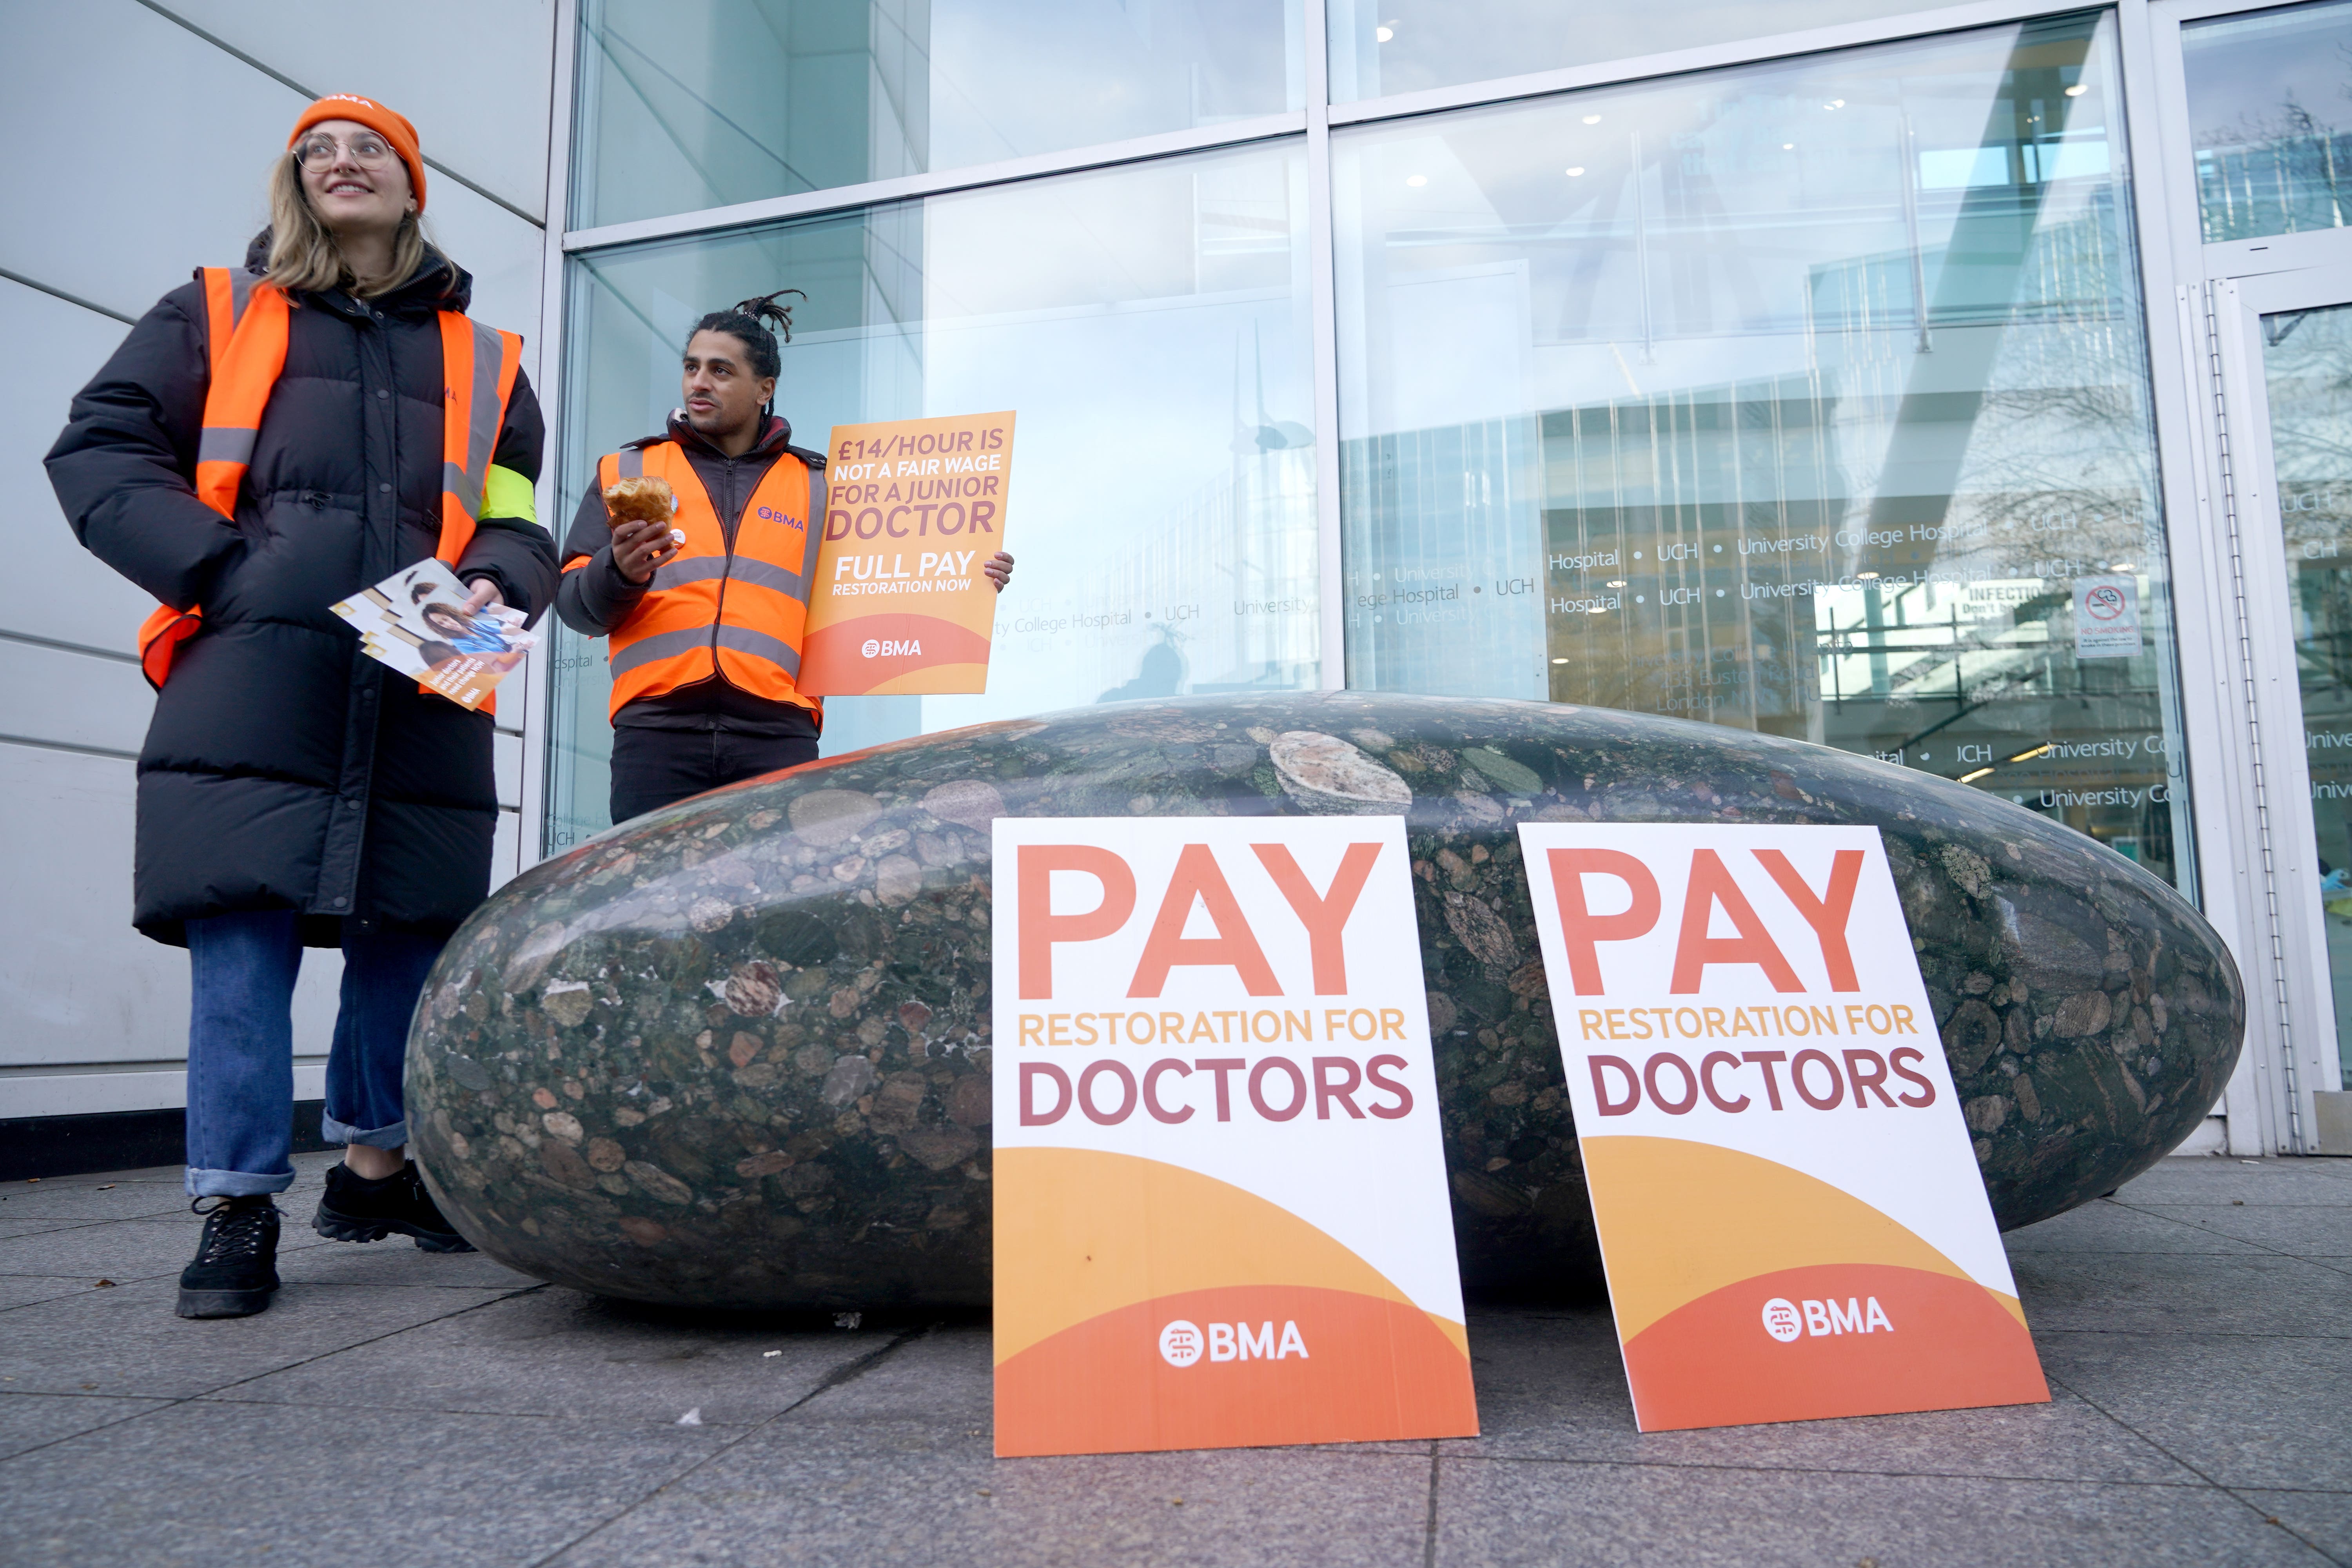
(653, 768)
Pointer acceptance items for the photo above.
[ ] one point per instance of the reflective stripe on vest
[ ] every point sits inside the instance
(248, 323)
(709, 611)
(246, 328)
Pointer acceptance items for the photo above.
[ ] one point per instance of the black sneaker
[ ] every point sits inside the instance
(236, 1266)
(356, 1209)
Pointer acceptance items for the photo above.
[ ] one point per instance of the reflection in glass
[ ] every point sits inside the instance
(1804, 398)
(2270, 114)
(1149, 325)
(1384, 46)
(685, 104)
(2307, 365)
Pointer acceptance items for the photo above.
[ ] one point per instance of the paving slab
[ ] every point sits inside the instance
(2205, 1181)
(2323, 1519)
(2106, 1225)
(2158, 1294)
(1506, 1512)
(128, 1249)
(23, 1290)
(126, 1341)
(109, 1199)
(396, 1261)
(558, 1352)
(2272, 1411)
(16, 1227)
(268, 1484)
(29, 1421)
(1553, 1387)
(836, 1483)
(2304, 1230)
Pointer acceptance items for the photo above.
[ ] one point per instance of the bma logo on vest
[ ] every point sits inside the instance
(1782, 1321)
(770, 514)
(884, 647)
(1182, 1343)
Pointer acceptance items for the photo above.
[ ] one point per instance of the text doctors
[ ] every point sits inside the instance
(1787, 1197)
(1221, 1215)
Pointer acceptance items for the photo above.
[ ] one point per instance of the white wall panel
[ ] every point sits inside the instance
(54, 348)
(472, 77)
(506, 256)
(77, 986)
(72, 699)
(506, 756)
(119, 204)
(197, 150)
(506, 849)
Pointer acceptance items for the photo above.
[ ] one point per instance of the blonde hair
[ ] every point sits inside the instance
(303, 250)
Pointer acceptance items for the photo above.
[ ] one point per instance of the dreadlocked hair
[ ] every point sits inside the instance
(746, 321)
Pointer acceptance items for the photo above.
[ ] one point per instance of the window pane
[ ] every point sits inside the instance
(2271, 120)
(1800, 398)
(1149, 325)
(2303, 357)
(1383, 46)
(685, 104)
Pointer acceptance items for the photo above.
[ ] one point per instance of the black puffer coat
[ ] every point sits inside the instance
(283, 768)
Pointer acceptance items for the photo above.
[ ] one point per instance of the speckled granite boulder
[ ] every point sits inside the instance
(736, 1053)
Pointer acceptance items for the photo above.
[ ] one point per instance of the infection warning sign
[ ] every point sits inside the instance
(1787, 1197)
(1221, 1206)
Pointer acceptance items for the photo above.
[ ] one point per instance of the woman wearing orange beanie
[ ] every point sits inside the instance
(267, 441)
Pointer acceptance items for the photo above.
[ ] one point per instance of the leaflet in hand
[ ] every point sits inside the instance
(416, 621)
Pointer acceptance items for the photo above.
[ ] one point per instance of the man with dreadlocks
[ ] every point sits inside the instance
(706, 609)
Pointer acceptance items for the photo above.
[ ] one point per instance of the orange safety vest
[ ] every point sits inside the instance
(247, 322)
(740, 613)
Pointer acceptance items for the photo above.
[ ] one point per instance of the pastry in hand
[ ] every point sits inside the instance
(646, 500)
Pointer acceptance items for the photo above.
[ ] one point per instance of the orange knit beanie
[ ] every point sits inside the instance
(367, 112)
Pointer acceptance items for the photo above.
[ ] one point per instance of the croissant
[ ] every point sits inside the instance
(645, 500)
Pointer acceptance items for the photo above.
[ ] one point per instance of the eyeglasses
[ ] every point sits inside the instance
(321, 152)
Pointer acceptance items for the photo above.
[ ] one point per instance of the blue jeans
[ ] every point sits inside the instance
(241, 1047)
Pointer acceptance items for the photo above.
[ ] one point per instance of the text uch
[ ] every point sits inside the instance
(1732, 1078)
(1277, 1088)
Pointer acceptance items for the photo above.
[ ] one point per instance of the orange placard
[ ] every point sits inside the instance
(1787, 1203)
(914, 508)
(1222, 1214)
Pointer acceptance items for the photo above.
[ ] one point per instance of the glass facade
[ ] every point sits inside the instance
(1809, 396)
(2270, 114)
(707, 104)
(1380, 48)
(1149, 325)
(1801, 398)
(2305, 358)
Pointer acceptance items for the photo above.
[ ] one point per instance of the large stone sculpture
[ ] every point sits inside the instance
(736, 1053)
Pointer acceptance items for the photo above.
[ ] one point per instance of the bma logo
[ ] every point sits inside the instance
(1787, 1320)
(770, 514)
(882, 647)
(1182, 1343)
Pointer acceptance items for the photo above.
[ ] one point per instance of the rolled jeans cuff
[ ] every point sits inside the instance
(333, 1131)
(203, 1183)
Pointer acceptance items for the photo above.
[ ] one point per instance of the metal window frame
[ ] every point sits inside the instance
(539, 703)
(2303, 1058)
(2209, 450)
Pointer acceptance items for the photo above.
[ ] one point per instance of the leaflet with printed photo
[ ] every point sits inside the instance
(416, 621)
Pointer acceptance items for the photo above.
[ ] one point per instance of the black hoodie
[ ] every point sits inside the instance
(595, 598)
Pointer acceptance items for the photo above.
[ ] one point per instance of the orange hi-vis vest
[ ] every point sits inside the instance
(247, 325)
(740, 613)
